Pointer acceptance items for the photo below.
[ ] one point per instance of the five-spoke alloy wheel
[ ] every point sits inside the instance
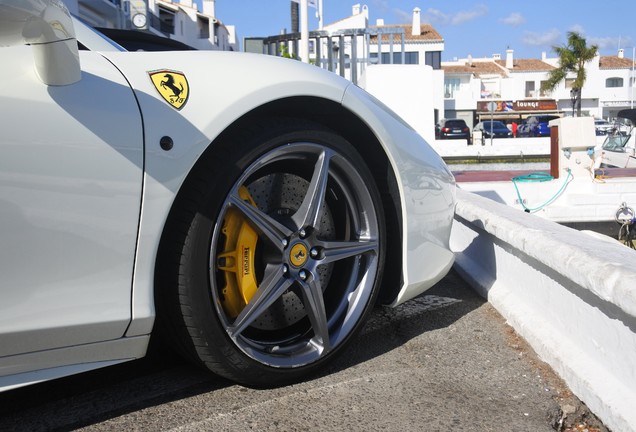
(294, 254)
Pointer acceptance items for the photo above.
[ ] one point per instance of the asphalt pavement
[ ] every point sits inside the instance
(444, 361)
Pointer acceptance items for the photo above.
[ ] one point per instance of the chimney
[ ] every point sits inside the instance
(379, 22)
(621, 53)
(209, 8)
(509, 62)
(365, 11)
(417, 24)
(496, 56)
(356, 9)
(544, 56)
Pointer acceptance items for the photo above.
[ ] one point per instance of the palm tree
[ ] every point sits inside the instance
(572, 58)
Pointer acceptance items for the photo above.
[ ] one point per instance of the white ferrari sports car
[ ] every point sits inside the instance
(249, 209)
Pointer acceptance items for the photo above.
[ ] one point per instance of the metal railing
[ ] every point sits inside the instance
(346, 52)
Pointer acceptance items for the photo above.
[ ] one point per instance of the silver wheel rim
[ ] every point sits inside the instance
(315, 260)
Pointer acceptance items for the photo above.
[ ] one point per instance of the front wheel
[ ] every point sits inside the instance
(281, 254)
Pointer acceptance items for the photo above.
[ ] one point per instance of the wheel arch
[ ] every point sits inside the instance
(346, 123)
(337, 118)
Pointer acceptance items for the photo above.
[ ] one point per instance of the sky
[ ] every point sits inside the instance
(475, 28)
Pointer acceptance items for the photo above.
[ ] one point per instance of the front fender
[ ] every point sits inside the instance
(222, 87)
(426, 190)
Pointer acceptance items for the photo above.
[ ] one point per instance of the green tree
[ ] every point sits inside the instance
(572, 59)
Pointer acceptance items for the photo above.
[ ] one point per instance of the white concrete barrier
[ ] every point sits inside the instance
(570, 295)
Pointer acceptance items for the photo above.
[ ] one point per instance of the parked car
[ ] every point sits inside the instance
(603, 127)
(493, 128)
(452, 129)
(250, 219)
(536, 126)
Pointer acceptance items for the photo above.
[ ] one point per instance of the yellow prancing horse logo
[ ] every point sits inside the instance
(298, 255)
(172, 86)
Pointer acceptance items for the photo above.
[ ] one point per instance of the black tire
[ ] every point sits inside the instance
(273, 279)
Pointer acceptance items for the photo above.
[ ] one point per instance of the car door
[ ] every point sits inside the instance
(71, 170)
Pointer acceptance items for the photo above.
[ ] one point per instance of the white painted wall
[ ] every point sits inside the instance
(409, 91)
(570, 295)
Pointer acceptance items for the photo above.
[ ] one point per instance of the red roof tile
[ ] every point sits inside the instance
(614, 62)
(476, 67)
(527, 65)
(427, 33)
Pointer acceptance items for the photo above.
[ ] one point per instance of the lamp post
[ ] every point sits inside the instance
(632, 79)
(304, 32)
(492, 106)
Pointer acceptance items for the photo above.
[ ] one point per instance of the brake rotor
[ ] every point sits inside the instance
(243, 259)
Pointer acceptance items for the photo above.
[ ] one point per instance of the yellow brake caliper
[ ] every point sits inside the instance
(237, 259)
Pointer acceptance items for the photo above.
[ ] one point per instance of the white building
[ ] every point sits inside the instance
(515, 87)
(182, 21)
(416, 43)
(178, 20)
(101, 13)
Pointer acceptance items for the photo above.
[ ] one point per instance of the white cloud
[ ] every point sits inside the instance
(610, 43)
(465, 16)
(402, 15)
(548, 38)
(577, 28)
(514, 19)
(381, 5)
(436, 16)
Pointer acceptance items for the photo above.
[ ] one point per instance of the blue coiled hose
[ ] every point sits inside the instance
(539, 177)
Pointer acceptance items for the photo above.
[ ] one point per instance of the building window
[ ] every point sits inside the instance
(412, 58)
(451, 85)
(569, 82)
(490, 89)
(614, 82)
(543, 93)
(409, 58)
(166, 21)
(433, 59)
(530, 89)
(204, 28)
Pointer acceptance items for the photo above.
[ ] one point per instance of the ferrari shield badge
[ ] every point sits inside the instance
(172, 86)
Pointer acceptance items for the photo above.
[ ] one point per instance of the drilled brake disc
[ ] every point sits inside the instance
(244, 255)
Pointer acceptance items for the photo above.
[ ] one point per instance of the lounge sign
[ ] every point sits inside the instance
(522, 105)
